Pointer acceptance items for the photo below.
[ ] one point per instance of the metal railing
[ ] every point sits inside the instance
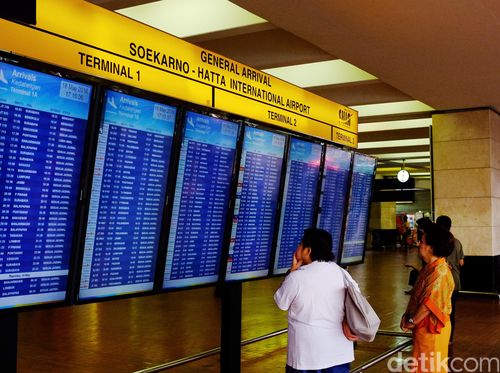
(391, 333)
(184, 360)
(216, 350)
(480, 293)
(377, 359)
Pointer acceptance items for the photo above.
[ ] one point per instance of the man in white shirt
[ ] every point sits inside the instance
(313, 293)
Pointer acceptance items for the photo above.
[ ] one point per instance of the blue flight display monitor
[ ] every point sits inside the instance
(334, 189)
(43, 124)
(255, 205)
(297, 212)
(363, 173)
(201, 201)
(128, 196)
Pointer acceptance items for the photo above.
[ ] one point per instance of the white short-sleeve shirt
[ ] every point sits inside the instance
(314, 296)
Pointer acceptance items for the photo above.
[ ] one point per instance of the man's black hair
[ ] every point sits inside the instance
(444, 221)
(320, 242)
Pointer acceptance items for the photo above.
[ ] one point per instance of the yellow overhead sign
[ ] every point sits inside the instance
(80, 36)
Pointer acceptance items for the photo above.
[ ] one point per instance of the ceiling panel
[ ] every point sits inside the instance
(262, 49)
(403, 152)
(361, 93)
(404, 134)
(119, 4)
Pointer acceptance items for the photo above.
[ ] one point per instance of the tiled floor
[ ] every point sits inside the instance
(130, 335)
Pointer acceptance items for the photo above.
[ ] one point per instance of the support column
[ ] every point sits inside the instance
(8, 342)
(466, 165)
(230, 354)
(382, 223)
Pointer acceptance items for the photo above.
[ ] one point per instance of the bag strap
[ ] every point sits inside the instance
(343, 275)
(347, 279)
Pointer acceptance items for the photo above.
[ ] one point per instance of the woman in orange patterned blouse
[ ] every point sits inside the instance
(428, 311)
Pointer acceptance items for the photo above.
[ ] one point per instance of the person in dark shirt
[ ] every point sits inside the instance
(455, 260)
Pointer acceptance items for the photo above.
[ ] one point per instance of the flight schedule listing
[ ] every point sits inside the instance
(43, 124)
(297, 213)
(201, 201)
(127, 197)
(334, 191)
(255, 205)
(358, 209)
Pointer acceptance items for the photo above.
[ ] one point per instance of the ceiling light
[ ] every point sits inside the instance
(406, 155)
(184, 18)
(413, 174)
(393, 143)
(320, 73)
(407, 161)
(390, 108)
(394, 125)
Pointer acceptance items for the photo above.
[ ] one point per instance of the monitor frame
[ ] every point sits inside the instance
(282, 195)
(146, 95)
(369, 202)
(337, 257)
(224, 258)
(161, 263)
(58, 72)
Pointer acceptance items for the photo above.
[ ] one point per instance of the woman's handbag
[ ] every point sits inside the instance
(361, 317)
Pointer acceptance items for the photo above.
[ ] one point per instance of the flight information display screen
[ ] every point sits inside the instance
(255, 205)
(334, 189)
(43, 124)
(128, 196)
(297, 212)
(201, 201)
(359, 206)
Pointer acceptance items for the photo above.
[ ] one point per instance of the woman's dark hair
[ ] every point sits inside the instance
(421, 224)
(439, 239)
(320, 242)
